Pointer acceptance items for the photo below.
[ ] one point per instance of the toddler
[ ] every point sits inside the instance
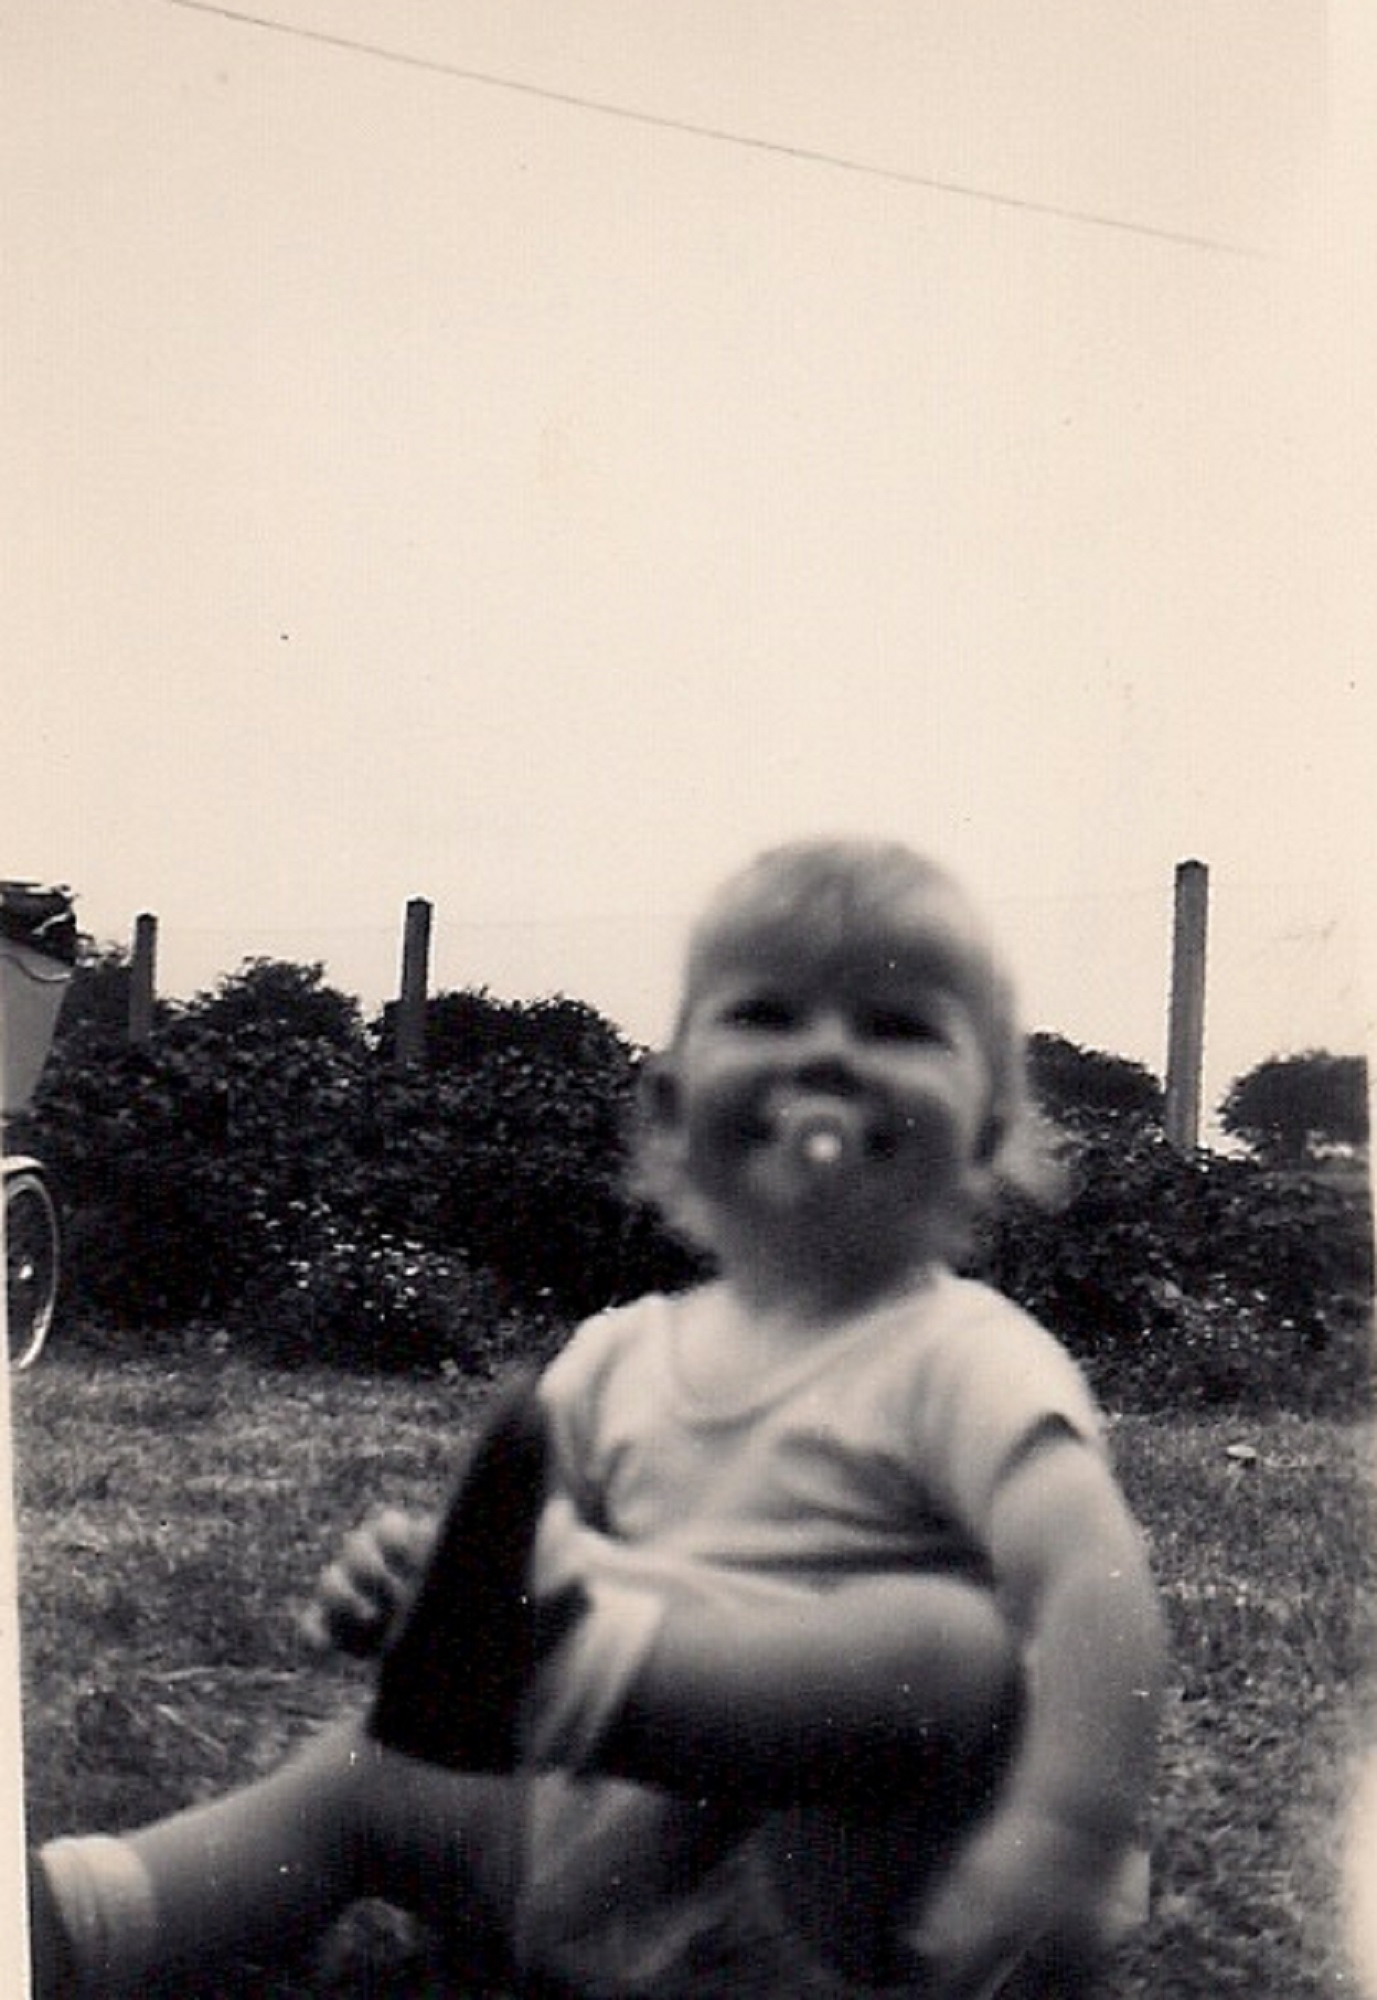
(794, 1638)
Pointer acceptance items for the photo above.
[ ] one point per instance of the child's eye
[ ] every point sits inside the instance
(903, 1024)
(761, 1010)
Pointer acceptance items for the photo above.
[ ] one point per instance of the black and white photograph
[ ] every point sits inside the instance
(685, 1000)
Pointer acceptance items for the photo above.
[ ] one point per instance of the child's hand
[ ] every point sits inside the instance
(1022, 1885)
(371, 1581)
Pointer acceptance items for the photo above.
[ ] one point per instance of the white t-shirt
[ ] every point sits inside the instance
(876, 1448)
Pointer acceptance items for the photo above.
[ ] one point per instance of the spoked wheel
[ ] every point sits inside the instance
(31, 1265)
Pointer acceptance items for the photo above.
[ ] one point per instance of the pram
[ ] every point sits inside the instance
(38, 948)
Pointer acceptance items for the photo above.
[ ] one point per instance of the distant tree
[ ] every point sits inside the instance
(1073, 1085)
(1290, 1108)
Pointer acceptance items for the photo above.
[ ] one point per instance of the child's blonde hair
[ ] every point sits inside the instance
(837, 892)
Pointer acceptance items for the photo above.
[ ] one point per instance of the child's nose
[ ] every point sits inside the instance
(823, 1055)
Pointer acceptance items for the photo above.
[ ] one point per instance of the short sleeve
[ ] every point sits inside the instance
(572, 1390)
(996, 1381)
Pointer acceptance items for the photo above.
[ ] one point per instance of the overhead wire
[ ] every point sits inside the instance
(811, 155)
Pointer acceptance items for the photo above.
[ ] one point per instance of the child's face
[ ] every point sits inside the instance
(832, 1094)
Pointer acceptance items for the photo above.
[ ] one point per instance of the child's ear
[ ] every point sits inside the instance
(657, 1090)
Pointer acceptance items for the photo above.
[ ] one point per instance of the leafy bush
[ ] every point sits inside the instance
(96, 1005)
(1194, 1280)
(235, 1165)
(260, 1165)
(511, 1146)
(172, 1156)
(358, 1300)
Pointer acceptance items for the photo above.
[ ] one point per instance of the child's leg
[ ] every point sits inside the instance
(454, 1675)
(270, 1865)
(876, 1718)
(903, 1720)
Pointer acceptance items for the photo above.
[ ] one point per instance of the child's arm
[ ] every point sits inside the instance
(870, 1691)
(1072, 1577)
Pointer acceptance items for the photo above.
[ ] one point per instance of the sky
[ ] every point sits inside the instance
(530, 458)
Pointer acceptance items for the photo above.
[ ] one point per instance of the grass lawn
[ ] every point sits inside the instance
(174, 1516)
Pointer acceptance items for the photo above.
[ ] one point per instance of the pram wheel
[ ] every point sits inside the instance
(31, 1261)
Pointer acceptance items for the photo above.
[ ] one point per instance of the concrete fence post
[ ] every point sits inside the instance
(1186, 1033)
(143, 974)
(411, 1006)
